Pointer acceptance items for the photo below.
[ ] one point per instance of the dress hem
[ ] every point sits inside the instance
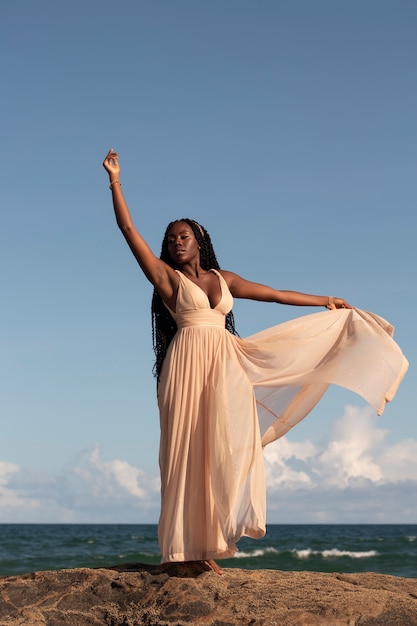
(215, 554)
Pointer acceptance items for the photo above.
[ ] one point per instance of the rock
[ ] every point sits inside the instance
(187, 594)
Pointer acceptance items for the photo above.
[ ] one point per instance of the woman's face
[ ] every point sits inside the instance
(182, 244)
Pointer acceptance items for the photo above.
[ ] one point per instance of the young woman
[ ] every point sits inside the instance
(222, 398)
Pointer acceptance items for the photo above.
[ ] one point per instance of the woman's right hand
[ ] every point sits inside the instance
(111, 165)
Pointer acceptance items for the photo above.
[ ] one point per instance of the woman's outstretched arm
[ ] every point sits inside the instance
(156, 271)
(241, 288)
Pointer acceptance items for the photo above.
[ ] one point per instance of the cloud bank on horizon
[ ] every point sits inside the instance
(353, 476)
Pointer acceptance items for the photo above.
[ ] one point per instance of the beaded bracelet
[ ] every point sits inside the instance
(113, 182)
(330, 304)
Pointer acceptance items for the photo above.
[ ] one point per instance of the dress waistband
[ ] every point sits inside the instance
(200, 317)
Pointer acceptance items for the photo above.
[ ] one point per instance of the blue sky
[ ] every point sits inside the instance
(288, 128)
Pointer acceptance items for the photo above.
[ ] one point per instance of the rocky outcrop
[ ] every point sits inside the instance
(190, 594)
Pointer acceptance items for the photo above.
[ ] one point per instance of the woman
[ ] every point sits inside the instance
(222, 398)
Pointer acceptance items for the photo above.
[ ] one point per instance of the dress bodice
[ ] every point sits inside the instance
(193, 306)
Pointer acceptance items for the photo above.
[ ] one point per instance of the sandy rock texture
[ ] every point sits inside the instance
(191, 594)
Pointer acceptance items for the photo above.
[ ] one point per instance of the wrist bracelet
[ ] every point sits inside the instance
(114, 182)
(330, 304)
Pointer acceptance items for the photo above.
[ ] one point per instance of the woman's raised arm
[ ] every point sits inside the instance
(156, 271)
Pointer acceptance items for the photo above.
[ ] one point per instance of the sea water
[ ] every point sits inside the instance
(386, 549)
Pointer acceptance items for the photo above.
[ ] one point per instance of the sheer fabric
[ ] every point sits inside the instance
(222, 398)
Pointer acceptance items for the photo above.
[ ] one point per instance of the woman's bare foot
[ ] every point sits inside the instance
(216, 568)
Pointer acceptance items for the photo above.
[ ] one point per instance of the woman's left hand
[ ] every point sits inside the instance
(338, 303)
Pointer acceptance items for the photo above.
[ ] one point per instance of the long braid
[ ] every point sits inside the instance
(163, 324)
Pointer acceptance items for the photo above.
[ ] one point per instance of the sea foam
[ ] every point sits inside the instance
(334, 552)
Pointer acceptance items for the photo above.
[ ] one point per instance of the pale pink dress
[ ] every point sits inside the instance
(222, 398)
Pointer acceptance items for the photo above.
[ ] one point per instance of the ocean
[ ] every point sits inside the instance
(386, 549)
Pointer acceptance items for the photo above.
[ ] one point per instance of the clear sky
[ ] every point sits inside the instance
(287, 128)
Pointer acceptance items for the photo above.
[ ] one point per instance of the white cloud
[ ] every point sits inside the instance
(356, 451)
(109, 476)
(400, 461)
(352, 452)
(279, 472)
(352, 476)
(10, 498)
(88, 490)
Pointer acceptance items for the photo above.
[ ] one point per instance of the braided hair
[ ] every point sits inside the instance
(163, 324)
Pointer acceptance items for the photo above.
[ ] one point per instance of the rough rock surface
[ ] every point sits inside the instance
(187, 594)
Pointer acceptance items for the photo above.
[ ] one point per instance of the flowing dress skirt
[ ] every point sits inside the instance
(222, 398)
